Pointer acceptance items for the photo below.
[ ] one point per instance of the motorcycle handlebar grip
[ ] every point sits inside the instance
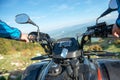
(34, 35)
(100, 30)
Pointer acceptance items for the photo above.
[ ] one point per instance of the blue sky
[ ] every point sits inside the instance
(52, 14)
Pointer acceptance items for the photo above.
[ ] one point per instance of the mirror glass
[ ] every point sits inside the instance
(113, 4)
(22, 18)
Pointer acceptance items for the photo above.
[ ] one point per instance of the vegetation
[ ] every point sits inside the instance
(108, 44)
(8, 46)
(16, 55)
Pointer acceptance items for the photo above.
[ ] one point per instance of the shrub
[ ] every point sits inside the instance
(95, 48)
(3, 48)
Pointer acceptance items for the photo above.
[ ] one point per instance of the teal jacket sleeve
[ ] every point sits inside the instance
(9, 32)
(118, 19)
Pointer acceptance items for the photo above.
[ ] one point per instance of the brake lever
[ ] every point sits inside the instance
(40, 57)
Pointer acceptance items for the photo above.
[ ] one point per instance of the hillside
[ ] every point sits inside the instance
(16, 55)
(8, 46)
(69, 31)
(14, 52)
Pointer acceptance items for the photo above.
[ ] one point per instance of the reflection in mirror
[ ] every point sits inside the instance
(113, 4)
(22, 18)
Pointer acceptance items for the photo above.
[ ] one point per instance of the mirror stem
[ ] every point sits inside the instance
(109, 10)
(38, 30)
(97, 20)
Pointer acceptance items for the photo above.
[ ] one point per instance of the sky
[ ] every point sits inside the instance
(52, 14)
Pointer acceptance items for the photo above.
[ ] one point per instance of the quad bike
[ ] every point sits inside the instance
(67, 59)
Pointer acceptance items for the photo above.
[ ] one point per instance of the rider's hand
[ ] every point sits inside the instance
(24, 37)
(116, 31)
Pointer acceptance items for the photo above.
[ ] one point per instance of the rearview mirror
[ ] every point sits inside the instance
(22, 18)
(112, 7)
(113, 4)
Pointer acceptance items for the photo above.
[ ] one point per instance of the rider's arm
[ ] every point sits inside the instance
(12, 33)
(116, 27)
(118, 21)
(9, 32)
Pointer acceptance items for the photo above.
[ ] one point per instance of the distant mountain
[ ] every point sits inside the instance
(72, 31)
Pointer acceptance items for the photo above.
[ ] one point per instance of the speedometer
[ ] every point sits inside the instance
(67, 43)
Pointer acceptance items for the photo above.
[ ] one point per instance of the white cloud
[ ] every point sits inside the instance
(88, 1)
(34, 2)
(62, 7)
(78, 3)
(38, 17)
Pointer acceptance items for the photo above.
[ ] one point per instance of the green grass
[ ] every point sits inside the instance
(21, 52)
(16, 61)
(16, 55)
(113, 45)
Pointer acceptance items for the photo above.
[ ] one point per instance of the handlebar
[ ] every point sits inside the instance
(100, 30)
(44, 40)
(40, 57)
(34, 35)
(88, 53)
